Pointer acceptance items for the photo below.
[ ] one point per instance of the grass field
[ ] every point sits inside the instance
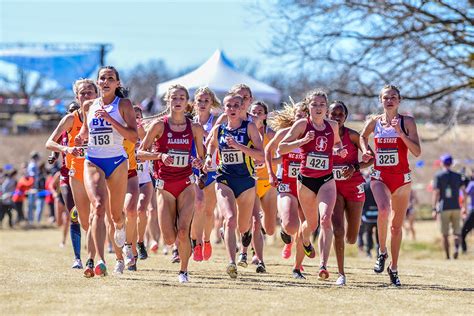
(37, 279)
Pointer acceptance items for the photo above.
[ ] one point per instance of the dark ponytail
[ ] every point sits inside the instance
(122, 92)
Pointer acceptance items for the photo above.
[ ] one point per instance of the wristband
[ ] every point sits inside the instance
(356, 167)
(207, 155)
(434, 209)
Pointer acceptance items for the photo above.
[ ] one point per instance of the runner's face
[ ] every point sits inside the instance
(336, 113)
(259, 112)
(318, 107)
(245, 94)
(107, 81)
(138, 114)
(232, 106)
(390, 99)
(203, 102)
(178, 100)
(85, 92)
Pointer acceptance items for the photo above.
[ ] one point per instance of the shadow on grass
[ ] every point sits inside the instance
(266, 282)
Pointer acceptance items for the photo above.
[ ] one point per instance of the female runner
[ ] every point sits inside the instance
(110, 120)
(318, 138)
(350, 187)
(239, 143)
(205, 100)
(84, 90)
(285, 182)
(394, 135)
(174, 136)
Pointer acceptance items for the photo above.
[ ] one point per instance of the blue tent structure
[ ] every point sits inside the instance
(61, 63)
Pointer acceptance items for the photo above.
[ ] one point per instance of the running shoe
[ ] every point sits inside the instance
(183, 277)
(165, 250)
(133, 267)
(394, 279)
(380, 263)
(261, 267)
(456, 254)
(341, 280)
(309, 250)
(120, 236)
(119, 267)
(246, 238)
(89, 271)
(100, 269)
(175, 258)
(77, 264)
(207, 250)
(197, 253)
(128, 254)
(154, 247)
(297, 274)
(232, 270)
(323, 273)
(242, 260)
(142, 253)
(286, 252)
(285, 237)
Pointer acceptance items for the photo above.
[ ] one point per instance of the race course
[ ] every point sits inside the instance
(37, 279)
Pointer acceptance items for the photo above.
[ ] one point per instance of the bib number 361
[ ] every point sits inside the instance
(232, 157)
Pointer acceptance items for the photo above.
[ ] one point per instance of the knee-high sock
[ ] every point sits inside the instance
(75, 230)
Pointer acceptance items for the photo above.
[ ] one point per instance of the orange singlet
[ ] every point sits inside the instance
(131, 155)
(75, 164)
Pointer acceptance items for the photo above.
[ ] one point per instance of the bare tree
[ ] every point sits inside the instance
(143, 79)
(426, 47)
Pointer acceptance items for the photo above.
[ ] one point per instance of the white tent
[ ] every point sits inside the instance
(219, 74)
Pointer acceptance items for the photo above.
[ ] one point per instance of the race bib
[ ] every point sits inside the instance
(102, 138)
(283, 188)
(232, 157)
(338, 173)
(293, 169)
(407, 177)
(82, 151)
(317, 161)
(375, 174)
(160, 184)
(180, 158)
(140, 167)
(387, 157)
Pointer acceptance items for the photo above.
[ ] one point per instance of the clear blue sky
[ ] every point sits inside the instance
(182, 33)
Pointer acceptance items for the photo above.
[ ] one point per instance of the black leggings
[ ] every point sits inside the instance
(367, 229)
(468, 226)
(6, 209)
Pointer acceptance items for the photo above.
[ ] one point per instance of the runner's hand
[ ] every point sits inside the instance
(167, 159)
(367, 156)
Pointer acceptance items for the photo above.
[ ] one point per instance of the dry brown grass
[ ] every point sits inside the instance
(37, 280)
